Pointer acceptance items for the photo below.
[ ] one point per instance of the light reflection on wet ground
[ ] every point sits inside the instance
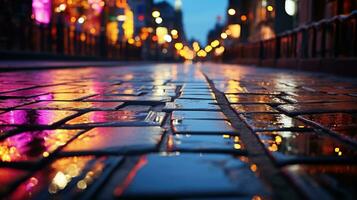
(287, 144)
(34, 145)
(206, 174)
(161, 131)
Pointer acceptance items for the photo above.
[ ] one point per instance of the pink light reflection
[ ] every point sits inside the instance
(42, 11)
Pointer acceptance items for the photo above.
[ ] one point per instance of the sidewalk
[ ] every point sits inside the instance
(174, 131)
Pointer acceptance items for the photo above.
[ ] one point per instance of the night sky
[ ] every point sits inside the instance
(200, 16)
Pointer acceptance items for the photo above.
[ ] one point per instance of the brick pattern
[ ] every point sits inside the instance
(176, 131)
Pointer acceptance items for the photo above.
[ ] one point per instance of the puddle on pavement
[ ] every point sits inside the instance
(34, 145)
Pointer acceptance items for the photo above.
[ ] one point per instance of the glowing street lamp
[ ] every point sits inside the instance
(231, 11)
(208, 48)
(215, 43)
(81, 20)
(224, 35)
(158, 20)
(121, 18)
(270, 8)
(235, 30)
(290, 7)
(179, 46)
(174, 32)
(156, 14)
(168, 38)
(243, 18)
(196, 46)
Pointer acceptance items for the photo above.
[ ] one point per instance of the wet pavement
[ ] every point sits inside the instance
(177, 131)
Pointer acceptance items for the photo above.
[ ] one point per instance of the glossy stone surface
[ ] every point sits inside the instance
(73, 105)
(208, 96)
(97, 117)
(192, 104)
(155, 99)
(261, 121)
(197, 115)
(34, 145)
(53, 179)
(9, 176)
(197, 126)
(333, 120)
(318, 98)
(205, 143)
(253, 108)
(207, 174)
(233, 98)
(34, 117)
(165, 131)
(311, 108)
(64, 96)
(328, 181)
(5, 129)
(116, 139)
(287, 144)
(11, 103)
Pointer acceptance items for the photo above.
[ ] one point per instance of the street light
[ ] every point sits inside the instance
(231, 11)
(158, 20)
(174, 32)
(290, 7)
(155, 14)
(208, 48)
(215, 43)
(179, 46)
(81, 20)
(224, 35)
(121, 18)
(243, 18)
(168, 38)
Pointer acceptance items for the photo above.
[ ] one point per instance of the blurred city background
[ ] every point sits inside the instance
(265, 32)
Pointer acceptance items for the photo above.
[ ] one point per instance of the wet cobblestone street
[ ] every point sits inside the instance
(176, 131)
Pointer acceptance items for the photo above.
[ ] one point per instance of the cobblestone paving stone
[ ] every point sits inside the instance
(172, 131)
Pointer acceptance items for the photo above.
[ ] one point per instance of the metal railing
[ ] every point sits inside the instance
(58, 39)
(331, 38)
